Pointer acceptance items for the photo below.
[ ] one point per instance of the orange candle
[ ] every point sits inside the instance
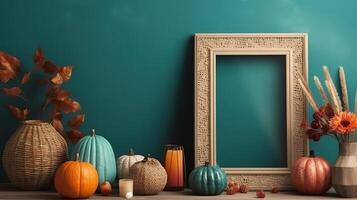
(174, 165)
(180, 168)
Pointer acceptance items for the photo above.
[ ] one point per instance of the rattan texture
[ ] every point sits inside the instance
(33, 154)
(149, 177)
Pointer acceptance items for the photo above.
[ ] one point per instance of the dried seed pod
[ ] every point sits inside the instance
(260, 194)
(244, 188)
(230, 184)
(230, 191)
(236, 187)
(274, 190)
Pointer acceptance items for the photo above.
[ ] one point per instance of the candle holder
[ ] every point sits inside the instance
(175, 167)
(126, 188)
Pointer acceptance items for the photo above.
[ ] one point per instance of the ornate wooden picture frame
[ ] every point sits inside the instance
(207, 47)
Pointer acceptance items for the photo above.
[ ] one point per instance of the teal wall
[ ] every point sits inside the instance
(254, 116)
(134, 59)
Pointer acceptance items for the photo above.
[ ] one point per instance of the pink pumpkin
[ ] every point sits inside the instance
(311, 175)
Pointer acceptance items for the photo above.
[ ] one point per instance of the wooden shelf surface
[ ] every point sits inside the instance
(11, 193)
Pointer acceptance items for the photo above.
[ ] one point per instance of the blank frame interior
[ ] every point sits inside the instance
(283, 165)
(251, 107)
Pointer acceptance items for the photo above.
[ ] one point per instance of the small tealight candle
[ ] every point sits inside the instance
(126, 188)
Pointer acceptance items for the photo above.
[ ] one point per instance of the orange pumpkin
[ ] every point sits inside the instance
(75, 179)
(311, 175)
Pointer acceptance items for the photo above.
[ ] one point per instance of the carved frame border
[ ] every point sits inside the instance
(207, 47)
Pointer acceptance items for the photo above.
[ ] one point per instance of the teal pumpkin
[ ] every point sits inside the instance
(208, 180)
(98, 151)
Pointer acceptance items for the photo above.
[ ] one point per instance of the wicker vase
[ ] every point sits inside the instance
(32, 155)
(149, 176)
(344, 173)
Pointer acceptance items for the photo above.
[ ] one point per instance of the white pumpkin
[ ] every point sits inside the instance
(125, 162)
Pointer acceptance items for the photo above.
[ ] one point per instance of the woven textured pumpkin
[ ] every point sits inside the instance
(98, 151)
(207, 180)
(125, 162)
(149, 176)
(76, 180)
(32, 155)
(311, 175)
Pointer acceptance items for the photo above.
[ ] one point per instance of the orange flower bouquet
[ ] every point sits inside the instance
(334, 117)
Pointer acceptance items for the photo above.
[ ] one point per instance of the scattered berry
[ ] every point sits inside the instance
(326, 129)
(316, 124)
(106, 188)
(233, 185)
(329, 111)
(317, 115)
(275, 190)
(310, 131)
(129, 195)
(315, 137)
(260, 194)
(230, 191)
(236, 187)
(244, 188)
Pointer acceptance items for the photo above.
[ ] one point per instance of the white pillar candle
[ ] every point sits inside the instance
(126, 188)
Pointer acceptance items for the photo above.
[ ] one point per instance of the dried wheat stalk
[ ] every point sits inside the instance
(356, 102)
(309, 95)
(334, 90)
(342, 75)
(303, 81)
(333, 96)
(321, 89)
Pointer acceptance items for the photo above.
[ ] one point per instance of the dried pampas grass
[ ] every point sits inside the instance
(342, 76)
(356, 102)
(333, 88)
(334, 98)
(308, 95)
(321, 90)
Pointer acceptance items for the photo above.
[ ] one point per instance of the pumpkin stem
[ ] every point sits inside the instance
(206, 163)
(147, 157)
(312, 153)
(131, 152)
(93, 132)
(77, 156)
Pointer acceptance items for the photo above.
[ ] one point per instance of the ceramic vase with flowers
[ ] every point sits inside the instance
(335, 118)
(36, 149)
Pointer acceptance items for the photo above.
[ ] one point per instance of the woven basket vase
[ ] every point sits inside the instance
(149, 176)
(32, 155)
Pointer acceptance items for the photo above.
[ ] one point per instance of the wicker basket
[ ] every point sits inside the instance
(32, 155)
(149, 176)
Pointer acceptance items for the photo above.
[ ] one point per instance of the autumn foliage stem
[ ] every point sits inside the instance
(57, 100)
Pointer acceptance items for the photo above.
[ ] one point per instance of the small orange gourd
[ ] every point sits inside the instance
(75, 179)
